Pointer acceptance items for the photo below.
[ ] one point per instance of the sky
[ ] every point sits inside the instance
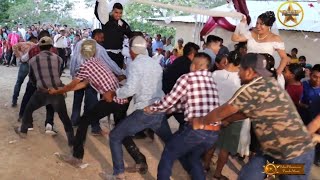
(81, 11)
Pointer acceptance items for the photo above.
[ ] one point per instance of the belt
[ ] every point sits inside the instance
(115, 51)
(209, 127)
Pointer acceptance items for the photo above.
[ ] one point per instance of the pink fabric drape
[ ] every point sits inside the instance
(213, 22)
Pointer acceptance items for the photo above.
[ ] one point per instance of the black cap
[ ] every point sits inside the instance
(257, 62)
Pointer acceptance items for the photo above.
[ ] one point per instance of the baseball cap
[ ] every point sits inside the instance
(45, 41)
(257, 62)
(138, 45)
(62, 29)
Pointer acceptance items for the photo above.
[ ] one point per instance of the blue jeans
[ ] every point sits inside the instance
(189, 144)
(136, 122)
(22, 74)
(90, 100)
(252, 170)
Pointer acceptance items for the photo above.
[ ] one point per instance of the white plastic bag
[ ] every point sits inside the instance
(245, 138)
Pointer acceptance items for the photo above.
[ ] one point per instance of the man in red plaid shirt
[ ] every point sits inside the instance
(101, 78)
(196, 94)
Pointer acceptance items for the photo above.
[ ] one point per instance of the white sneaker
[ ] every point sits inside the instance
(50, 130)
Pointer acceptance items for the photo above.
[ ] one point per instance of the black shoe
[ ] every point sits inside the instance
(19, 119)
(17, 131)
(14, 105)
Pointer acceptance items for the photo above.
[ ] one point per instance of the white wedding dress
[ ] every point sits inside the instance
(263, 47)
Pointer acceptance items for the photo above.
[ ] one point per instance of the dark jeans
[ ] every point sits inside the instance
(317, 153)
(189, 144)
(62, 54)
(40, 99)
(100, 110)
(30, 89)
(136, 122)
(253, 169)
(22, 74)
(90, 100)
(117, 58)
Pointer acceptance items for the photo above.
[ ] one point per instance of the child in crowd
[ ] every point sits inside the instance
(293, 74)
(302, 61)
(221, 62)
(174, 55)
(310, 101)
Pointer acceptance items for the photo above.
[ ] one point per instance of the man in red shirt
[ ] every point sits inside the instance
(101, 78)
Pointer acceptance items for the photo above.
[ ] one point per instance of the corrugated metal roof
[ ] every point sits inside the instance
(310, 22)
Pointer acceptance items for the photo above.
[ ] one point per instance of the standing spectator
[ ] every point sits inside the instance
(13, 39)
(294, 56)
(158, 56)
(302, 61)
(61, 43)
(22, 31)
(157, 43)
(168, 46)
(173, 56)
(179, 47)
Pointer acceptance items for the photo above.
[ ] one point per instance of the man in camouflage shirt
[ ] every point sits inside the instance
(280, 131)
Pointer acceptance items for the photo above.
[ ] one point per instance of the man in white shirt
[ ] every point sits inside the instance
(22, 31)
(61, 43)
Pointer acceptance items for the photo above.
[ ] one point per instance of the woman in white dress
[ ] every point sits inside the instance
(261, 40)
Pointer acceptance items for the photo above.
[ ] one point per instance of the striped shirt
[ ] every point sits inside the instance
(195, 93)
(100, 77)
(44, 70)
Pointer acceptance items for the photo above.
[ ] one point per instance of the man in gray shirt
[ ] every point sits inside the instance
(44, 71)
(144, 83)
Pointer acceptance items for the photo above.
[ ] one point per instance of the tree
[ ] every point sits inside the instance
(34, 11)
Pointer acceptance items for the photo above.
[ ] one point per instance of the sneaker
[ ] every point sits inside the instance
(106, 176)
(21, 135)
(30, 128)
(50, 130)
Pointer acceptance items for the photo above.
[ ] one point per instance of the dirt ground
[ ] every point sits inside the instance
(33, 158)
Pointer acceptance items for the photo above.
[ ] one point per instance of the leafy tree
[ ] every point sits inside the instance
(29, 12)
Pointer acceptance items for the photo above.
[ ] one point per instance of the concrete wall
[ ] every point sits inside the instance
(292, 39)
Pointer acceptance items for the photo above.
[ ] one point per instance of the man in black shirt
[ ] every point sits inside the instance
(114, 31)
(179, 67)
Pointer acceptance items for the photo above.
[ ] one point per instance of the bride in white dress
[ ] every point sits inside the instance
(262, 40)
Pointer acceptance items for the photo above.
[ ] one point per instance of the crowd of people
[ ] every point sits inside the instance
(238, 102)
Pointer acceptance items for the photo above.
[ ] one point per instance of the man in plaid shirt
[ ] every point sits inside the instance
(196, 94)
(101, 78)
(31, 88)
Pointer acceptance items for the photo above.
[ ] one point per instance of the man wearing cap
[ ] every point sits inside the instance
(114, 28)
(44, 71)
(144, 84)
(89, 93)
(279, 129)
(61, 43)
(95, 72)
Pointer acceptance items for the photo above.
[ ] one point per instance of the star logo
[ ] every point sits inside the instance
(290, 14)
